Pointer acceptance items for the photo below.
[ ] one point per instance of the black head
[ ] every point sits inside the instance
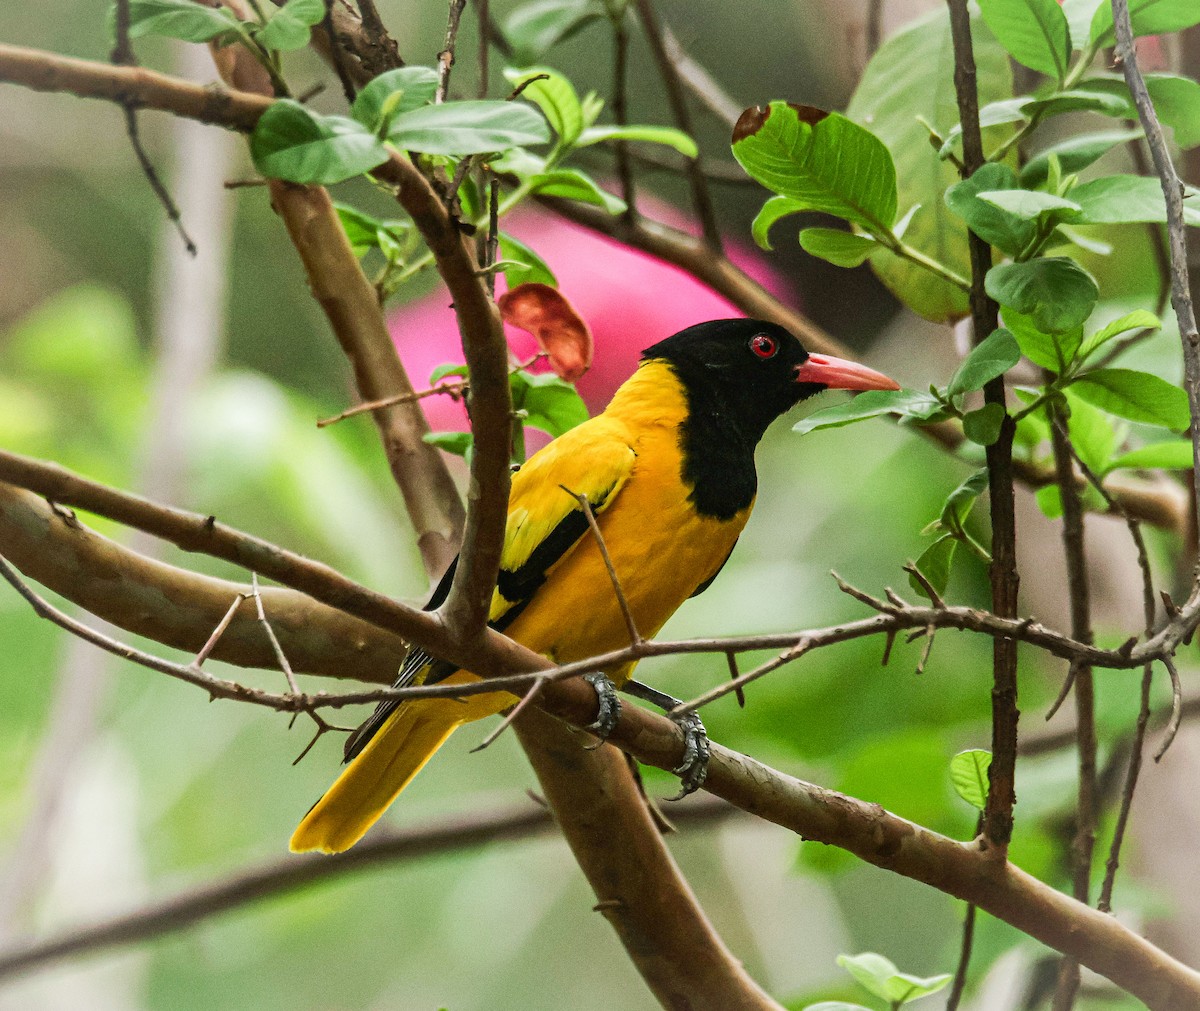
(751, 371)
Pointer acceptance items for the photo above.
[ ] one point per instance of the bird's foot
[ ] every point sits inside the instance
(608, 707)
(693, 770)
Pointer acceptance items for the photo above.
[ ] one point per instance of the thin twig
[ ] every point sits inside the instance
(998, 818)
(446, 56)
(452, 389)
(965, 949)
(701, 83)
(1176, 709)
(276, 648)
(701, 198)
(123, 55)
(635, 637)
(530, 696)
(1173, 190)
(734, 674)
(219, 631)
(739, 682)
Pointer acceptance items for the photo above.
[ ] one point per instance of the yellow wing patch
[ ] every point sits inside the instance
(544, 521)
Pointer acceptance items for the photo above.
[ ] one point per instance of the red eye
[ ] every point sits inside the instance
(763, 346)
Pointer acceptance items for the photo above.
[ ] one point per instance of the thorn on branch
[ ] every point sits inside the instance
(526, 699)
(887, 647)
(935, 598)
(1176, 709)
(1063, 693)
(862, 596)
(735, 676)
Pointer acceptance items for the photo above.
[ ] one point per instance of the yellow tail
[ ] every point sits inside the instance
(401, 747)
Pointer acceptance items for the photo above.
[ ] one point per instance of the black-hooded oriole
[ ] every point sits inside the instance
(668, 470)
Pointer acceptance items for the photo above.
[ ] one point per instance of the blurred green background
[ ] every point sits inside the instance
(118, 786)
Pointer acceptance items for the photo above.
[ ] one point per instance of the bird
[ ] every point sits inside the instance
(667, 469)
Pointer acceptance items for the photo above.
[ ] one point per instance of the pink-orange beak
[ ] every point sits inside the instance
(839, 374)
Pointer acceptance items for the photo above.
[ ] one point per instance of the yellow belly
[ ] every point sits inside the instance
(661, 550)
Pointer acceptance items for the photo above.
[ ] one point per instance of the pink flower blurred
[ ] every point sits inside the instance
(628, 298)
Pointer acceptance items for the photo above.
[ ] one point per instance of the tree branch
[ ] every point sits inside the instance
(998, 816)
(179, 608)
(382, 848)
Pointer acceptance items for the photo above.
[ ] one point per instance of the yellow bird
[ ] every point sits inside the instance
(668, 470)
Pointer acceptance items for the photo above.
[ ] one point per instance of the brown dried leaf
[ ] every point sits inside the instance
(559, 330)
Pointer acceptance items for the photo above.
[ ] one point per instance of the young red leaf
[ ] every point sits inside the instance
(559, 330)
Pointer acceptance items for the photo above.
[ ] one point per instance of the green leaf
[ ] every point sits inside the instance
(1139, 319)
(1034, 32)
(774, 209)
(983, 426)
(1156, 456)
(552, 404)
(904, 80)
(1031, 205)
(1148, 17)
(365, 232)
(872, 404)
(1176, 100)
(961, 501)
(458, 443)
(667, 135)
(416, 87)
(1092, 432)
(1126, 199)
(991, 357)
(292, 143)
(534, 27)
(180, 19)
(1006, 110)
(935, 563)
(845, 249)
(1074, 154)
(1055, 291)
(823, 161)
(1049, 500)
(1079, 17)
(534, 269)
(987, 219)
(462, 128)
(969, 776)
(290, 25)
(575, 185)
(1051, 351)
(881, 977)
(1138, 396)
(556, 97)
(448, 369)
(1075, 100)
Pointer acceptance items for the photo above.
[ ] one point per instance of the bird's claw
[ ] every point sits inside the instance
(693, 770)
(608, 707)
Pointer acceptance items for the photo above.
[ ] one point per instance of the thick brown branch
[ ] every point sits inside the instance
(43, 71)
(643, 896)
(179, 608)
(349, 300)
